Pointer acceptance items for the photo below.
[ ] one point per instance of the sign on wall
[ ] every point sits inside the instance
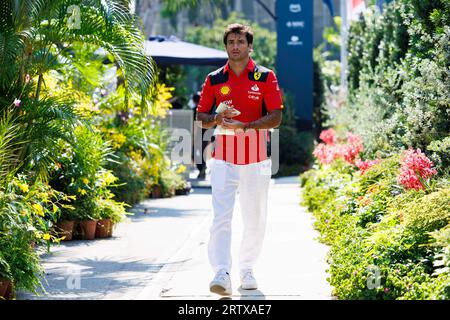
(295, 56)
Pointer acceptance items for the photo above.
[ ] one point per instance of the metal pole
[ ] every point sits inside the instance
(344, 34)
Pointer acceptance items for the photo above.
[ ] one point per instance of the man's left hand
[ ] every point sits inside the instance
(233, 124)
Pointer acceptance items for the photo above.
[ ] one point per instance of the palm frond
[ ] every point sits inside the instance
(47, 121)
(9, 146)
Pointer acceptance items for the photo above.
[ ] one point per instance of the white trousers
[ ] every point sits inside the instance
(252, 183)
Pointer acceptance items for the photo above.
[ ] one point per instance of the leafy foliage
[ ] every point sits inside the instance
(398, 77)
(378, 232)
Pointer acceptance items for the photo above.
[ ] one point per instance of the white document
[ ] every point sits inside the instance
(219, 129)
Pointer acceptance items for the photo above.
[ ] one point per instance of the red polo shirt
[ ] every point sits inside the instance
(254, 93)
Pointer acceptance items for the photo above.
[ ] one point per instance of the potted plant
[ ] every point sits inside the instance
(170, 182)
(66, 224)
(111, 213)
(87, 213)
(156, 191)
(5, 278)
(25, 270)
(104, 225)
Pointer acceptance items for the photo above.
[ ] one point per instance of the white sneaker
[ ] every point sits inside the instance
(248, 281)
(221, 283)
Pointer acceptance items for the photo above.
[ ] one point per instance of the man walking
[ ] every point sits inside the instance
(202, 165)
(240, 162)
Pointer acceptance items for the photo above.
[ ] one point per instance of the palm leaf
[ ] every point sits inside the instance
(9, 146)
(47, 121)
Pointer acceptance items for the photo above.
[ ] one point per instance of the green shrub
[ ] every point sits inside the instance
(399, 83)
(373, 253)
(399, 97)
(133, 188)
(23, 264)
(427, 213)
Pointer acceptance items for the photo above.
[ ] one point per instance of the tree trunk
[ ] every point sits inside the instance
(39, 84)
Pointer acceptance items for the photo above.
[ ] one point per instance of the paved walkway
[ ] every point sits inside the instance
(162, 254)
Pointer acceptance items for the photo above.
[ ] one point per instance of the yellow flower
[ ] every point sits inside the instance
(38, 209)
(23, 212)
(181, 169)
(46, 236)
(108, 178)
(43, 196)
(55, 208)
(82, 191)
(118, 140)
(85, 180)
(23, 187)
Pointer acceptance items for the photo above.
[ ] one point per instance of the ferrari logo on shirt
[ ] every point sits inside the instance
(257, 75)
(225, 90)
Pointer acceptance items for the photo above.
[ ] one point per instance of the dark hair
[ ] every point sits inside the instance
(239, 29)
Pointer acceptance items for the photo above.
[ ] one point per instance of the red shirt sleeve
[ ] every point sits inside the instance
(206, 97)
(272, 95)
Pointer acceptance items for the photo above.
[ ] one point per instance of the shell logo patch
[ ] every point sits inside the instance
(225, 90)
(257, 75)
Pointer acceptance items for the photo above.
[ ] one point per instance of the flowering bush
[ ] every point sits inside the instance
(415, 170)
(381, 223)
(80, 173)
(370, 222)
(27, 215)
(329, 151)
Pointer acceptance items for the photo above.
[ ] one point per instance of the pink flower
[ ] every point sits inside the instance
(353, 139)
(329, 151)
(17, 103)
(350, 152)
(366, 165)
(415, 166)
(321, 152)
(27, 78)
(353, 148)
(326, 153)
(328, 136)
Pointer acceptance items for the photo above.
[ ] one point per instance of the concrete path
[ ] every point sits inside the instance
(162, 254)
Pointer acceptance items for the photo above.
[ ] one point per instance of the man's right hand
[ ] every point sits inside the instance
(229, 113)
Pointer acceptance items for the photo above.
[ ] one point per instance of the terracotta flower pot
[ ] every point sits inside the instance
(110, 230)
(103, 227)
(9, 291)
(88, 229)
(5, 288)
(156, 192)
(65, 229)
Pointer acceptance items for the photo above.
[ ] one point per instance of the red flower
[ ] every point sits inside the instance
(366, 165)
(328, 136)
(415, 168)
(329, 151)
